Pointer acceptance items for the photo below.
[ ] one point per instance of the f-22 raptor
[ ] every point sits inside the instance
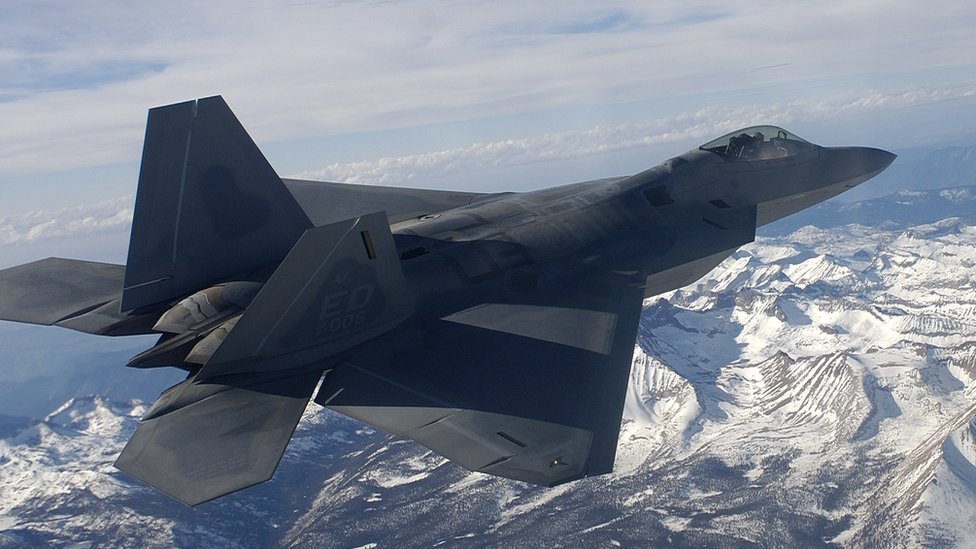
(495, 329)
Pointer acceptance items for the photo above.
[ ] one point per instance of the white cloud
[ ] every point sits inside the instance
(111, 216)
(700, 125)
(79, 76)
(115, 216)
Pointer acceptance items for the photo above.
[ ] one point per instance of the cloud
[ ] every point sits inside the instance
(111, 216)
(115, 216)
(699, 125)
(79, 76)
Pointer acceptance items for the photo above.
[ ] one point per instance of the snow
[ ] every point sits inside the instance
(392, 480)
(676, 524)
(416, 469)
(542, 499)
(866, 352)
(826, 374)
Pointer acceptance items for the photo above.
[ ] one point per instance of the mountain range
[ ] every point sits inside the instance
(816, 389)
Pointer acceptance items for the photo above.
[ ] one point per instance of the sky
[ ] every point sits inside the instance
(446, 94)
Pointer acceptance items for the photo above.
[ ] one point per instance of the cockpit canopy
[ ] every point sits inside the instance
(758, 143)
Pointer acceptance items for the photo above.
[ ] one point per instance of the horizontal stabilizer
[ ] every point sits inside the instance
(202, 441)
(341, 285)
(80, 295)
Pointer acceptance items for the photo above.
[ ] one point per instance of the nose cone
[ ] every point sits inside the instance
(873, 161)
(855, 165)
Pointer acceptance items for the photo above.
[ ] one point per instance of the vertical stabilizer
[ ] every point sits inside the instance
(209, 205)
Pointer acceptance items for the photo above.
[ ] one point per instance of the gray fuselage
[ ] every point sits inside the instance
(646, 223)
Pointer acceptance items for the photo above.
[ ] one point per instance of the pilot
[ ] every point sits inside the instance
(759, 145)
(752, 146)
(738, 145)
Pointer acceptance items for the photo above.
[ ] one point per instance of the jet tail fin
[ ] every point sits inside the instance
(208, 205)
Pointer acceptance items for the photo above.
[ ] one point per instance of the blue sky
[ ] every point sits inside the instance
(445, 94)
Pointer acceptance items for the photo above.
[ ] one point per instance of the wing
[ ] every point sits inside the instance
(531, 388)
(80, 295)
(326, 203)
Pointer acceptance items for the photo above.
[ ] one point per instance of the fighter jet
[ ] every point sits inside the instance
(495, 329)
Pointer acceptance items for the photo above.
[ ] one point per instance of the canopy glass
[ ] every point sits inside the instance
(758, 143)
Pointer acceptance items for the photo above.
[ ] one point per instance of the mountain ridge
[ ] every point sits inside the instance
(815, 389)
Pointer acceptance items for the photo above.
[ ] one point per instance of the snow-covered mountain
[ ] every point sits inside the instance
(816, 389)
